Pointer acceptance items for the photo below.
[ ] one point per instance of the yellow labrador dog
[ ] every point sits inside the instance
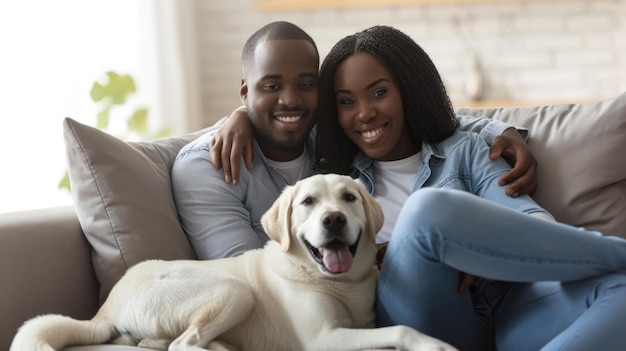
(312, 287)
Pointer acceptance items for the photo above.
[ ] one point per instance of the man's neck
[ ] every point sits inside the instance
(282, 155)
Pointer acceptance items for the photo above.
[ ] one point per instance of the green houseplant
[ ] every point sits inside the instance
(111, 94)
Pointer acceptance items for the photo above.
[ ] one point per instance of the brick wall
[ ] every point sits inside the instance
(531, 52)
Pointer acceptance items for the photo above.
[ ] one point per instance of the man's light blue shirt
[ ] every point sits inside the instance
(220, 219)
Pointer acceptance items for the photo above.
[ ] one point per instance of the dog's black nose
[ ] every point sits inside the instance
(333, 221)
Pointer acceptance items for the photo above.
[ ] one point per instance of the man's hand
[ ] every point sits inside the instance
(233, 139)
(522, 178)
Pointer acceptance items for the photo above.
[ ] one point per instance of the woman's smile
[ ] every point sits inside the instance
(372, 135)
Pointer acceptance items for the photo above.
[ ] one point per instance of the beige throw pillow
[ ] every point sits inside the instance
(123, 198)
(582, 165)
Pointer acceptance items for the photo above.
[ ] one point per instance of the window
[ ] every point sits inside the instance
(52, 51)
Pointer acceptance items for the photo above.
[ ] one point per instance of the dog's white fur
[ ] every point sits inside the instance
(276, 298)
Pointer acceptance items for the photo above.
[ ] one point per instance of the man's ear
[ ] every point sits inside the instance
(243, 91)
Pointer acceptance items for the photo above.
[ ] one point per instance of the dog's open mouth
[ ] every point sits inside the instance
(334, 257)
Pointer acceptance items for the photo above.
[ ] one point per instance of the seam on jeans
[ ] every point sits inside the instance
(517, 257)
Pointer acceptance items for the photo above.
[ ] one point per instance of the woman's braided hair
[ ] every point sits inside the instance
(427, 108)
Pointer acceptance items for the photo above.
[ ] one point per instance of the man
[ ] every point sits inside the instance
(279, 86)
(280, 66)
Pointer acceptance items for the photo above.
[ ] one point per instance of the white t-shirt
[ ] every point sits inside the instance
(293, 170)
(393, 184)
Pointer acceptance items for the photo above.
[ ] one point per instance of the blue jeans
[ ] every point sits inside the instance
(549, 286)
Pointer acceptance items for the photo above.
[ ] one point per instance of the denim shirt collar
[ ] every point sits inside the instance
(364, 165)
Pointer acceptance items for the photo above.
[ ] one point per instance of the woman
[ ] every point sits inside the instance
(547, 285)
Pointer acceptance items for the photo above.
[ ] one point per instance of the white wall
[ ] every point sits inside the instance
(548, 51)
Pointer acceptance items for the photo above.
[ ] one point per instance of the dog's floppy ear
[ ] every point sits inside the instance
(373, 212)
(277, 220)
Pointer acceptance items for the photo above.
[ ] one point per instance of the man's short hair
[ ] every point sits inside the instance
(279, 30)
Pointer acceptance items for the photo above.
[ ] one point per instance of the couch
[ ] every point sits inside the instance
(65, 260)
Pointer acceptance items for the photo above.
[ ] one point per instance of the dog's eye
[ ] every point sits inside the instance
(349, 197)
(307, 201)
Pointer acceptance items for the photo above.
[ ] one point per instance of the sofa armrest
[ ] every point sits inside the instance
(45, 267)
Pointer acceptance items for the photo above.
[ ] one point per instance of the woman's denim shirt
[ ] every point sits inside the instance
(460, 162)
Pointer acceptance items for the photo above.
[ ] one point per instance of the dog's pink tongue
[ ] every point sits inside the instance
(337, 259)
